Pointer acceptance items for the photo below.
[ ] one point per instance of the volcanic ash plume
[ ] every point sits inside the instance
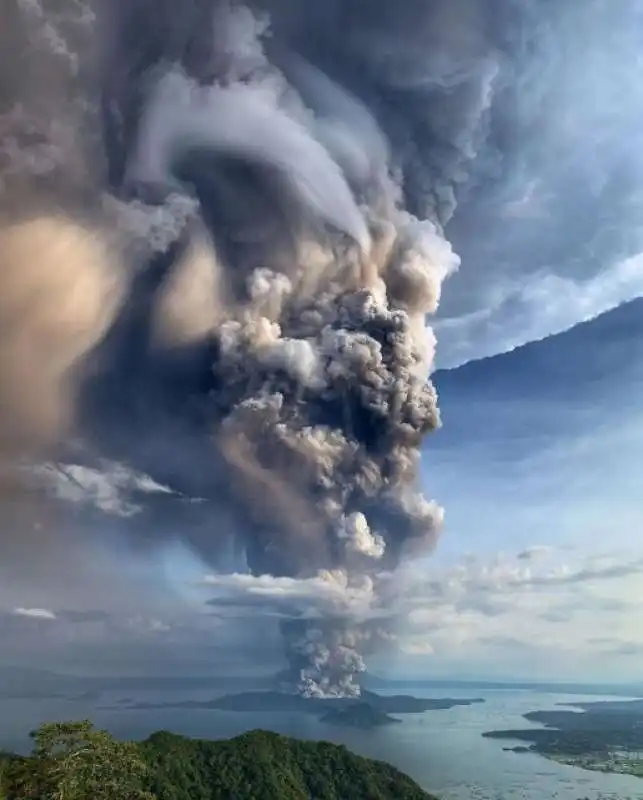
(322, 149)
(325, 658)
(60, 279)
(320, 395)
(57, 294)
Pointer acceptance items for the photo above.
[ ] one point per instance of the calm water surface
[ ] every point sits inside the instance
(442, 750)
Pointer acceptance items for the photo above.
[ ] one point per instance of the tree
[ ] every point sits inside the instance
(75, 761)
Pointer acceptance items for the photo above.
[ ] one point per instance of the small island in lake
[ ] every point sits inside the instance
(341, 709)
(358, 715)
(603, 736)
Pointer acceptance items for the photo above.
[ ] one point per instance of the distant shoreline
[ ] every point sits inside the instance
(20, 682)
(369, 710)
(604, 737)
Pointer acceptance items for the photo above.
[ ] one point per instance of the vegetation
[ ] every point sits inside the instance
(606, 737)
(74, 761)
(268, 701)
(358, 715)
(624, 764)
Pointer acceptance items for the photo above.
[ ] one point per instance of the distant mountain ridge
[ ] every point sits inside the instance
(554, 687)
(563, 385)
(574, 349)
(26, 681)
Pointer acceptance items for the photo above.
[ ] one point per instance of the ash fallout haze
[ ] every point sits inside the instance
(225, 233)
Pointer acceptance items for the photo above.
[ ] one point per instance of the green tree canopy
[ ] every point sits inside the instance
(75, 761)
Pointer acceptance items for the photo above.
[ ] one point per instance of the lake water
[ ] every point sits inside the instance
(442, 750)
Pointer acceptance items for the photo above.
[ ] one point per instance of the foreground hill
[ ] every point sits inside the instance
(75, 761)
(260, 765)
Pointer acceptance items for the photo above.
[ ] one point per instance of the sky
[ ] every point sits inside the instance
(536, 466)
(537, 573)
(539, 567)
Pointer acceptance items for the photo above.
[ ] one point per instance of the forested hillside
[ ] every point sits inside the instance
(74, 761)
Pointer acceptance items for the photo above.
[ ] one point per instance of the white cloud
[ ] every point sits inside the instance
(329, 593)
(500, 612)
(34, 613)
(145, 625)
(474, 610)
(513, 608)
(533, 309)
(112, 488)
(536, 552)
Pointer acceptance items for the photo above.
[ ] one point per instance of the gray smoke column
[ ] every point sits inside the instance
(290, 167)
(324, 658)
(320, 394)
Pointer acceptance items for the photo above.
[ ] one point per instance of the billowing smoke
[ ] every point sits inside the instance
(282, 176)
(319, 394)
(291, 295)
(324, 658)
(61, 278)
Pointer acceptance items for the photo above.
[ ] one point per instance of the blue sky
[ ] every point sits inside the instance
(545, 441)
(538, 468)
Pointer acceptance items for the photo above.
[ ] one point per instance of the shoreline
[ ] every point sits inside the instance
(604, 736)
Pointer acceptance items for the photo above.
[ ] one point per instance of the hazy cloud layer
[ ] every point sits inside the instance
(503, 614)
